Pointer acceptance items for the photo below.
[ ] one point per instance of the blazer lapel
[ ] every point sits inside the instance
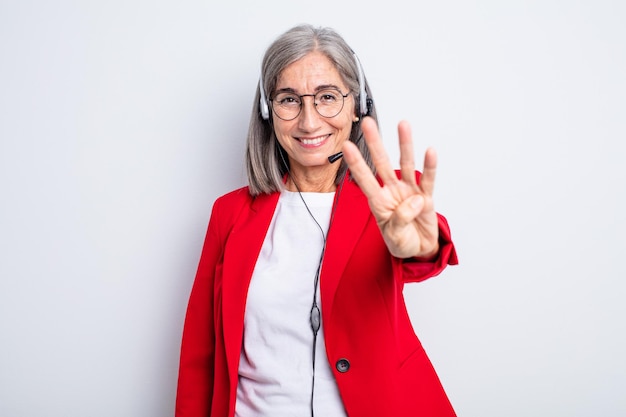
(350, 217)
(240, 256)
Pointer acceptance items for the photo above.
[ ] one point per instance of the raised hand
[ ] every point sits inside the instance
(403, 208)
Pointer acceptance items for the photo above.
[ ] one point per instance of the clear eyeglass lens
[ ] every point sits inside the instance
(328, 103)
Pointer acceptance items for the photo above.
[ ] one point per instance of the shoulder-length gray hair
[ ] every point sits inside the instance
(265, 164)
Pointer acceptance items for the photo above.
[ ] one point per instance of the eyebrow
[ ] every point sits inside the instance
(317, 89)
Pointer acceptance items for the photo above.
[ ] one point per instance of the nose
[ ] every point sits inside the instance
(309, 116)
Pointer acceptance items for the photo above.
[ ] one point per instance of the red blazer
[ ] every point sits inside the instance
(379, 364)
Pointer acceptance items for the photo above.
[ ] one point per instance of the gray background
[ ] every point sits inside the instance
(122, 121)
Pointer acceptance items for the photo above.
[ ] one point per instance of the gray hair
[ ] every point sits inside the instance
(265, 161)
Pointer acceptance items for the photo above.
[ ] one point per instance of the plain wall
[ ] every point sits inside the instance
(122, 121)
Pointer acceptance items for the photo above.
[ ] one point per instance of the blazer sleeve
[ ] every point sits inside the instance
(195, 378)
(415, 270)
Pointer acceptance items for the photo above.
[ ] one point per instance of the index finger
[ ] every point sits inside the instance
(359, 169)
(407, 163)
(379, 156)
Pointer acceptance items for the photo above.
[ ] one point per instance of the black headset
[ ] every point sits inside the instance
(365, 103)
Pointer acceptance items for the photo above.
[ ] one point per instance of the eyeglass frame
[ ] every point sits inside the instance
(301, 97)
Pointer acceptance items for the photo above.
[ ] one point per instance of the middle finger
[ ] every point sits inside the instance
(407, 162)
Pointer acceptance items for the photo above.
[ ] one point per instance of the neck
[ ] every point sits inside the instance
(315, 182)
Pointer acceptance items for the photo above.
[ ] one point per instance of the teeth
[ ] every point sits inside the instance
(313, 141)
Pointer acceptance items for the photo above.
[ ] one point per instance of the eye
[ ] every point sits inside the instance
(328, 97)
(287, 100)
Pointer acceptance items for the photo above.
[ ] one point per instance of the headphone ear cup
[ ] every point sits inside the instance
(364, 101)
(265, 111)
(263, 106)
(369, 106)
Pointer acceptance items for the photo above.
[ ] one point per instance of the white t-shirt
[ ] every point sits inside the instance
(275, 368)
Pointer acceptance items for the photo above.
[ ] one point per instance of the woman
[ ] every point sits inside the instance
(297, 305)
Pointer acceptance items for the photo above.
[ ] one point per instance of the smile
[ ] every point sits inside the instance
(313, 141)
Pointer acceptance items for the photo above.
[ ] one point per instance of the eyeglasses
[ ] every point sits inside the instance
(328, 103)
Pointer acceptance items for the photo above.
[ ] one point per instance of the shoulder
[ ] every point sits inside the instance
(235, 197)
(227, 206)
(237, 206)
(232, 203)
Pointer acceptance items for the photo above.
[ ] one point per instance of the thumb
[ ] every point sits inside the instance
(408, 210)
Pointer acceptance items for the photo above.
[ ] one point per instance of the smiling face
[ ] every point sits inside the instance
(310, 138)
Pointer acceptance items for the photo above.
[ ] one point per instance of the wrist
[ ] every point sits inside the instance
(428, 256)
